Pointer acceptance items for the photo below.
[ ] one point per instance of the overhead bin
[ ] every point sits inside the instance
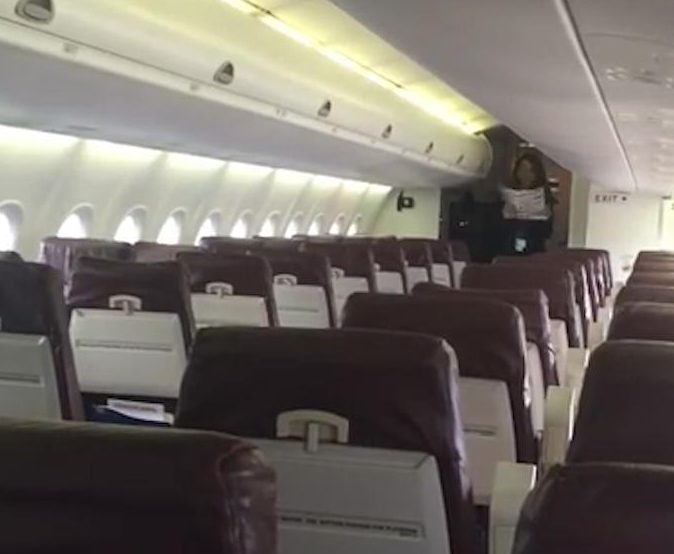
(207, 79)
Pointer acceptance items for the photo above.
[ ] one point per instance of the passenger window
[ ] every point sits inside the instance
(8, 230)
(354, 228)
(75, 226)
(241, 228)
(270, 227)
(131, 228)
(209, 228)
(172, 229)
(337, 227)
(316, 227)
(293, 227)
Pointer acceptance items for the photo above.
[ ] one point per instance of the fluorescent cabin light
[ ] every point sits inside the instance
(431, 107)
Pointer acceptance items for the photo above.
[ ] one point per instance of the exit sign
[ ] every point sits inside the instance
(609, 198)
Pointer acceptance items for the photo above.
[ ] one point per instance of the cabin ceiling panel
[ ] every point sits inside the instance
(631, 49)
(521, 61)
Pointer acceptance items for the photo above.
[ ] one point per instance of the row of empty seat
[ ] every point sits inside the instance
(433, 389)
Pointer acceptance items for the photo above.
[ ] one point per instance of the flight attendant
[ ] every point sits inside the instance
(527, 207)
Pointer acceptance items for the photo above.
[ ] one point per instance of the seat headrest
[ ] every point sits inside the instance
(599, 509)
(398, 391)
(625, 404)
(109, 489)
(460, 250)
(355, 259)
(645, 293)
(62, 254)
(642, 321)
(247, 275)
(150, 252)
(557, 283)
(161, 287)
(655, 255)
(487, 336)
(31, 302)
(532, 304)
(389, 254)
(418, 252)
(654, 267)
(576, 268)
(656, 278)
(8, 256)
(227, 245)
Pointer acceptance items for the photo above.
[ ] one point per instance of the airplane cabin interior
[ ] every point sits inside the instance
(336, 276)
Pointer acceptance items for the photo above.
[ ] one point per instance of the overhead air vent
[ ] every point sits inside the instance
(387, 132)
(325, 109)
(225, 74)
(36, 11)
(430, 148)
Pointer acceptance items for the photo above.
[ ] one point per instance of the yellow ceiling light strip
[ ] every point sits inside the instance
(417, 100)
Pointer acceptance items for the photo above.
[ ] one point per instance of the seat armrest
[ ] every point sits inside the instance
(560, 413)
(512, 484)
(576, 363)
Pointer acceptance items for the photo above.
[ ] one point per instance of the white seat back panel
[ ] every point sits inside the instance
(536, 386)
(560, 342)
(357, 500)
(458, 272)
(215, 311)
(345, 287)
(140, 354)
(390, 282)
(441, 275)
(302, 306)
(488, 431)
(28, 387)
(416, 275)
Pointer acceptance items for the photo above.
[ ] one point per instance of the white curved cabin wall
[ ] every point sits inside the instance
(48, 176)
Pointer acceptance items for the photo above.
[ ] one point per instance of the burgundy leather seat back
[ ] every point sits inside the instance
(654, 267)
(532, 304)
(161, 287)
(150, 252)
(487, 336)
(443, 254)
(355, 259)
(85, 488)
(645, 293)
(643, 321)
(397, 390)
(309, 268)
(599, 509)
(557, 284)
(657, 278)
(226, 245)
(62, 254)
(390, 256)
(460, 250)
(595, 263)
(655, 256)
(248, 275)
(418, 253)
(31, 303)
(9, 256)
(602, 259)
(581, 280)
(626, 405)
